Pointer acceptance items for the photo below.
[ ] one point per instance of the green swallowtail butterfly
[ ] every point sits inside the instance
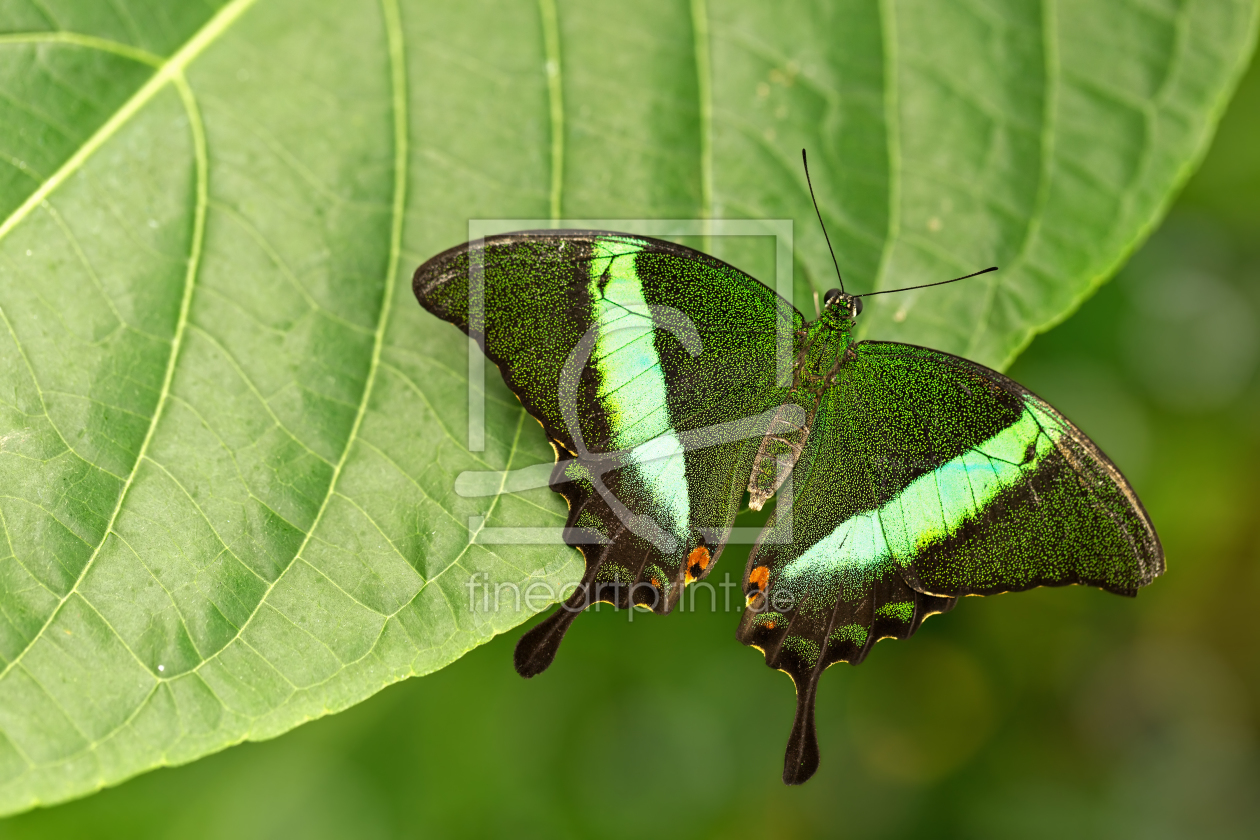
(905, 477)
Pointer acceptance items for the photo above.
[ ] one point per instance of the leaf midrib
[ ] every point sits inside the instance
(398, 81)
(1050, 90)
(892, 134)
(550, 21)
(172, 72)
(167, 71)
(704, 92)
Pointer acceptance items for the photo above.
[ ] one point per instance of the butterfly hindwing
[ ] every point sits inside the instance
(927, 477)
(652, 368)
(1035, 503)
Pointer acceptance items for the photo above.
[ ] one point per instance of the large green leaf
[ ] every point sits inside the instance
(228, 435)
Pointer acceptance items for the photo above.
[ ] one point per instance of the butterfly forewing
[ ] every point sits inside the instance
(652, 369)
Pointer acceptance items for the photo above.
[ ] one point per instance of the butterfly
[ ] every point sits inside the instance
(671, 385)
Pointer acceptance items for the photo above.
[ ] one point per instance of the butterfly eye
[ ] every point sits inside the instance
(831, 297)
(857, 306)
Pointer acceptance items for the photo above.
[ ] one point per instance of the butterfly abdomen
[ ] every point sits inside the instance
(822, 345)
(779, 451)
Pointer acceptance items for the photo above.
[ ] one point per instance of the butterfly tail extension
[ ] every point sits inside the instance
(800, 762)
(784, 639)
(537, 649)
(832, 621)
(801, 758)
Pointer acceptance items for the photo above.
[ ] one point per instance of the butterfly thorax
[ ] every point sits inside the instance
(820, 348)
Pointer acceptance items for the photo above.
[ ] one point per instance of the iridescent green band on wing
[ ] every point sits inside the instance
(632, 383)
(931, 508)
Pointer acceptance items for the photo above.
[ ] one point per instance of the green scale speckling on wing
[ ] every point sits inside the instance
(652, 370)
(916, 476)
(924, 478)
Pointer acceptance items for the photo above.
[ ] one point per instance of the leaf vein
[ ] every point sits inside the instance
(190, 278)
(398, 81)
(168, 72)
(253, 389)
(1051, 71)
(555, 100)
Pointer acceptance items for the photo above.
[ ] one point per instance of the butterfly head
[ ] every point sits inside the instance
(839, 306)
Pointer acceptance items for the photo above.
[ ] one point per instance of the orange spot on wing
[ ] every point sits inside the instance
(697, 562)
(757, 580)
(759, 577)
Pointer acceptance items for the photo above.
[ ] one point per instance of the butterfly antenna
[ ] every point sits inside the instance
(926, 285)
(834, 261)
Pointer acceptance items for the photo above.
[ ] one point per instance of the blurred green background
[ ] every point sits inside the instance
(1051, 713)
